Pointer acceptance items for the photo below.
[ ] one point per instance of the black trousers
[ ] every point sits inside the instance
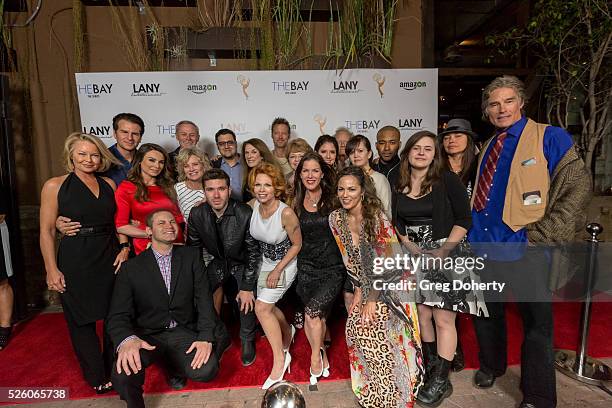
(170, 347)
(248, 321)
(95, 363)
(527, 280)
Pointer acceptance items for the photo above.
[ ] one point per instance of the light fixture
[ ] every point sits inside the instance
(452, 54)
(141, 7)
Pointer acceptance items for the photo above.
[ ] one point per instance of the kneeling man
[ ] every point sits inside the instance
(162, 308)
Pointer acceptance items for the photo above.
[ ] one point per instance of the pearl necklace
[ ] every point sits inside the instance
(313, 203)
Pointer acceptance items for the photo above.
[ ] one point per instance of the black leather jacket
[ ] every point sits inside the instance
(239, 255)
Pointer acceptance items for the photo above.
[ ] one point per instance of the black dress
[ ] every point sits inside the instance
(86, 260)
(321, 271)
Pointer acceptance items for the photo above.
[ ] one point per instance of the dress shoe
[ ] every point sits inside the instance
(248, 352)
(526, 405)
(286, 368)
(177, 383)
(104, 388)
(483, 380)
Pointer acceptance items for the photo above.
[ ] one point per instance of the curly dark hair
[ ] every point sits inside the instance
(371, 206)
(164, 180)
(329, 199)
(433, 173)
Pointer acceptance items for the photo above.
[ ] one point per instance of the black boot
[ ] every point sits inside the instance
(437, 387)
(458, 359)
(248, 352)
(430, 357)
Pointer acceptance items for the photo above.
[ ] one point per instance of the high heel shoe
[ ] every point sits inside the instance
(325, 369)
(293, 331)
(286, 368)
(314, 378)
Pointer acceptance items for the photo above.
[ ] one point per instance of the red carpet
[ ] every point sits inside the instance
(40, 353)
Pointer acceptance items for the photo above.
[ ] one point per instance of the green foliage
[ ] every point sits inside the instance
(262, 19)
(79, 28)
(573, 41)
(216, 13)
(288, 31)
(365, 29)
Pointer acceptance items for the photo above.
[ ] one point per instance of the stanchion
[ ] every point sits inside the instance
(578, 365)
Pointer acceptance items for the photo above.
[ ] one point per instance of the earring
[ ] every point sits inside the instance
(362, 197)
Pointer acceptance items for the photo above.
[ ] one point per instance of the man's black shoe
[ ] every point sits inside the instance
(248, 353)
(222, 346)
(177, 383)
(526, 405)
(483, 380)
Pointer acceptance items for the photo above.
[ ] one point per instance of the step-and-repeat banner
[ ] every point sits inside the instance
(314, 102)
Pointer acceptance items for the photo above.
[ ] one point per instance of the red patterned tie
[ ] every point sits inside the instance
(486, 177)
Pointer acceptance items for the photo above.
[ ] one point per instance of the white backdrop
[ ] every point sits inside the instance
(314, 102)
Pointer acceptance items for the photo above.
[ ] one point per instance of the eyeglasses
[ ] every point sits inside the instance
(228, 143)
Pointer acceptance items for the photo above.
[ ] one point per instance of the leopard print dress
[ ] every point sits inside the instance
(385, 358)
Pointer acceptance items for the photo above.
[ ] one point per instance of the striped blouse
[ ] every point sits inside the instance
(187, 198)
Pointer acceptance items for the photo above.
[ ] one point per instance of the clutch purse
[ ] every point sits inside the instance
(263, 277)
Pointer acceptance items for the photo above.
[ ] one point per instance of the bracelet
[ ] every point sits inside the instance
(124, 245)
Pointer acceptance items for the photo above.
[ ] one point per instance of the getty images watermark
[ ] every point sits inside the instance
(460, 273)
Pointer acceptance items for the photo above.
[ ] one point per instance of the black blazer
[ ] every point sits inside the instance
(239, 255)
(451, 206)
(140, 304)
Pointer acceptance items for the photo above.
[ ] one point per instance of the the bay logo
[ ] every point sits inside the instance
(290, 87)
(166, 129)
(94, 90)
(362, 125)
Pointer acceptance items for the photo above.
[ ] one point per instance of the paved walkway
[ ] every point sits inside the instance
(337, 394)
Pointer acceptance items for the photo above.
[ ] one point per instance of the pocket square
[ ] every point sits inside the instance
(529, 162)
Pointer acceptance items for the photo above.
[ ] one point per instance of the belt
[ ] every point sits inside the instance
(415, 222)
(275, 252)
(97, 230)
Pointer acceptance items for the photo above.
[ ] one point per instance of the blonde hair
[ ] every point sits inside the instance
(107, 159)
(184, 156)
(298, 145)
(272, 171)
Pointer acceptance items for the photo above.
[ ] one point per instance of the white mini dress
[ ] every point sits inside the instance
(274, 243)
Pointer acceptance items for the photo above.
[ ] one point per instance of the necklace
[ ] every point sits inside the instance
(314, 203)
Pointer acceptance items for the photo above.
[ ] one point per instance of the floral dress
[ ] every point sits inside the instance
(386, 361)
